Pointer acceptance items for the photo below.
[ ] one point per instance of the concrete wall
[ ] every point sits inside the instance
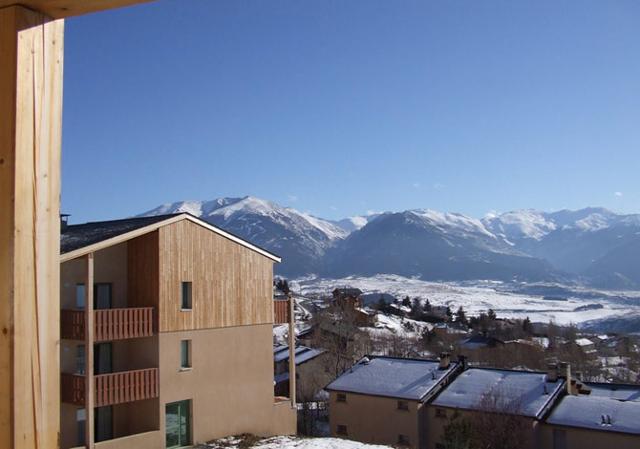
(230, 383)
(582, 438)
(110, 265)
(373, 419)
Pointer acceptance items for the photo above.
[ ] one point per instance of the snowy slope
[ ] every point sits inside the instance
(296, 443)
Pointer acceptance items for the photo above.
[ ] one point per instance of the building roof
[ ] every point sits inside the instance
(392, 377)
(583, 342)
(519, 392)
(80, 239)
(303, 353)
(609, 407)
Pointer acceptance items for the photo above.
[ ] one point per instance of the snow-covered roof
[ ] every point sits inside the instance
(583, 342)
(519, 392)
(392, 377)
(303, 353)
(615, 391)
(598, 411)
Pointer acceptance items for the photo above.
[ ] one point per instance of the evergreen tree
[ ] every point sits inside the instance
(416, 309)
(461, 316)
(406, 302)
(491, 315)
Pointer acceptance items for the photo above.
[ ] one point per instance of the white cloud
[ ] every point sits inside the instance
(438, 186)
(333, 208)
(372, 212)
(416, 185)
(618, 194)
(292, 198)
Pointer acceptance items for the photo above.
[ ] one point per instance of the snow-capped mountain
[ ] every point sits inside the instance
(591, 244)
(434, 246)
(299, 238)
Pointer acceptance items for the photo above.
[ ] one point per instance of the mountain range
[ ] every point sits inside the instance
(593, 245)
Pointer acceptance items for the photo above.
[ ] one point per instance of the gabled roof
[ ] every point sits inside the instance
(303, 353)
(392, 377)
(609, 407)
(518, 392)
(81, 239)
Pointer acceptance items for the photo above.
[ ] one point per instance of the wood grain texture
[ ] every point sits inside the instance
(59, 9)
(31, 51)
(143, 268)
(232, 285)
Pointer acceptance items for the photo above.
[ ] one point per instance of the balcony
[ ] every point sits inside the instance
(112, 388)
(109, 324)
(280, 311)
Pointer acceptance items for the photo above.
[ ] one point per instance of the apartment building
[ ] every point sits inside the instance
(166, 335)
(602, 416)
(382, 400)
(523, 397)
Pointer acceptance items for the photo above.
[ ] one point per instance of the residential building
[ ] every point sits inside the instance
(383, 399)
(310, 370)
(166, 335)
(603, 416)
(528, 396)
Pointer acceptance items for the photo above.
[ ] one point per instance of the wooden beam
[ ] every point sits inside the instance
(31, 51)
(89, 329)
(59, 9)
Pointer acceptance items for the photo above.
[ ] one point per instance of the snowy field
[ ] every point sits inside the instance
(297, 443)
(574, 305)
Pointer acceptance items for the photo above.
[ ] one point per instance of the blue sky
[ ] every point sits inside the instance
(339, 108)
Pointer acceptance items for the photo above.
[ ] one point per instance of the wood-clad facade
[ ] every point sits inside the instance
(232, 286)
(212, 354)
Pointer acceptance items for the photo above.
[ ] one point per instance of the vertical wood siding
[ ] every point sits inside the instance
(232, 285)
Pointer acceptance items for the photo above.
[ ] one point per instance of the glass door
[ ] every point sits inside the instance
(178, 424)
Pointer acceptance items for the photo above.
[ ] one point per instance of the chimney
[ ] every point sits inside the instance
(552, 372)
(64, 218)
(565, 369)
(445, 360)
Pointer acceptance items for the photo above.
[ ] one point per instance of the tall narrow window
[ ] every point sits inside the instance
(186, 296)
(185, 354)
(80, 362)
(81, 418)
(178, 424)
(80, 296)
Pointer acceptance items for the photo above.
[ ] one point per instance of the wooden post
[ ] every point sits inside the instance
(31, 52)
(292, 352)
(89, 383)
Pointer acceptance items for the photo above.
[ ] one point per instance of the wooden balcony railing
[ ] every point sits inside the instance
(280, 311)
(112, 388)
(110, 324)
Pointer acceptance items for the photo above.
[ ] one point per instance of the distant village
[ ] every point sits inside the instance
(402, 372)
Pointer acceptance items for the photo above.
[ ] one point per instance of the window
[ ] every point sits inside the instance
(403, 405)
(341, 397)
(341, 429)
(185, 354)
(80, 296)
(80, 365)
(403, 440)
(441, 413)
(81, 423)
(186, 296)
(178, 424)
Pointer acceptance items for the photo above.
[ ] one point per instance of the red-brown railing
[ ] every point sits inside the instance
(72, 324)
(72, 388)
(119, 324)
(112, 388)
(126, 386)
(280, 311)
(109, 324)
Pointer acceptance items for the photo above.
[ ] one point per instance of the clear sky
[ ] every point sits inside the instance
(343, 107)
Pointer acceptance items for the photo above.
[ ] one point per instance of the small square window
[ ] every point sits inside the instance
(341, 397)
(185, 302)
(441, 413)
(403, 440)
(185, 354)
(341, 429)
(403, 405)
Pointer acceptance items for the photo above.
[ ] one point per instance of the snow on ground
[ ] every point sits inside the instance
(297, 443)
(480, 296)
